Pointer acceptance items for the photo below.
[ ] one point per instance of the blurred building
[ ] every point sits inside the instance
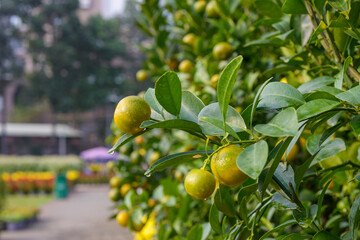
(105, 8)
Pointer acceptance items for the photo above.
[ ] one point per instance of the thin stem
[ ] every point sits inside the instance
(329, 45)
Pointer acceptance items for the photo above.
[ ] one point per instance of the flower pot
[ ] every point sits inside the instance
(14, 226)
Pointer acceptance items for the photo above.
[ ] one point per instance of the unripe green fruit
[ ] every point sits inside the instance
(212, 9)
(200, 6)
(222, 50)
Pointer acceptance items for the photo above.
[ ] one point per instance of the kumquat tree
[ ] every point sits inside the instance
(252, 128)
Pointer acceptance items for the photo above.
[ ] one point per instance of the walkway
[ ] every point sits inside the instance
(83, 215)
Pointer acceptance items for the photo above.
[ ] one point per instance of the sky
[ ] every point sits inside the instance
(113, 7)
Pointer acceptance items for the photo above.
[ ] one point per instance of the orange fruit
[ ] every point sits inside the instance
(141, 75)
(123, 218)
(223, 165)
(186, 66)
(222, 50)
(130, 112)
(139, 140)
(200, 184)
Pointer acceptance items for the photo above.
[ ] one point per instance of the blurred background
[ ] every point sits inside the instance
(64, 65)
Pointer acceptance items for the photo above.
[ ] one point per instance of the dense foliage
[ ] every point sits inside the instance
(288, 85)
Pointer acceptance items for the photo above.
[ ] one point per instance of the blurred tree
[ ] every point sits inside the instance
(76, 66)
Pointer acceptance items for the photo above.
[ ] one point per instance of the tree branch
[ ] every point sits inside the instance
(329, 45)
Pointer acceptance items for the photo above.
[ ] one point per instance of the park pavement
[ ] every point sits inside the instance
(83, 215)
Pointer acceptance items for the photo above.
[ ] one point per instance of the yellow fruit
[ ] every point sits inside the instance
(302, 142)
(114, 194)
(172, 63)
(139, 140)
(292, 154)
(283, 80)
(179, 15)
(223, 165)
(200, 184)
(212, 9)
(142, 152)
(186, 66)
(135, 157)
(130, 112)
(110, 165)
(189, 39)
(179, 175)
(222, 50)
(214, 81)
(154, 157)
(123, 218)
(151, 202)
(200, 6)
(115, 182)
(141, 75)
(125, 189)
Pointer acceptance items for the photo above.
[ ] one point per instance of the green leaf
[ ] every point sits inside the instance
(316, 84)
(320, 201)
(125, 139)
(351, 96)
(268, 8)
(191, 106)
(305, 216)
(294, 236)
(284, 177)
(212, 111)
(340, 77)
(315, 107)
(280, 95)
(323, 235)
(253, 159)
(329, 149)
(214, 219)
(256, 99)
(152, 101)
(314, 37)
(195, 232)
(294, 7)
(319, 4)
(168, 92)
(173, 124)
(354, 218)
(355, 124)
(278, 228)
(330, 90)
(282, 203)
(282, 125)
(175, 159)
(218, 124)
(246, 191)
(340, 5)
(226, 83)
(269, 172)
(224, 201)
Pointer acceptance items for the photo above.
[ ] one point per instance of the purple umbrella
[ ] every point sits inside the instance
(98, 154)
